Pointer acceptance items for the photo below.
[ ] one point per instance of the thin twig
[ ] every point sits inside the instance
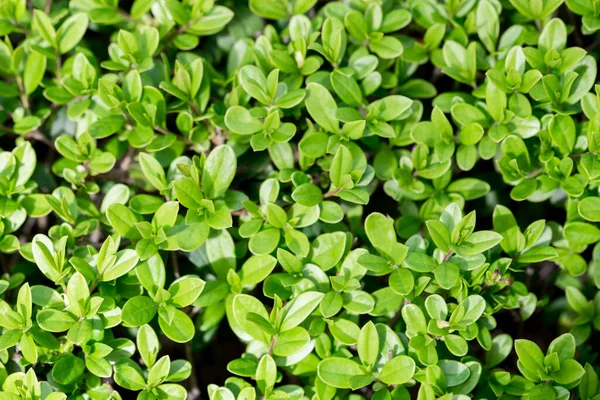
(175, 264)
(573, 21)
(58, 64)
(448, 255)
(272, 346)
(194, 389)
(332, 192)
(24, 97)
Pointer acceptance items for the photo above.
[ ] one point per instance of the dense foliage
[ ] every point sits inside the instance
(292, 199)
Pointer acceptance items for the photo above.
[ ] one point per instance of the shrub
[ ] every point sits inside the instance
(296, 199)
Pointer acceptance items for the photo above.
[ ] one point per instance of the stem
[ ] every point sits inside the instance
(166, 132)
(398, 315)
(175, 265)
(58, 64)
(573, 21)
(272, 346)
(24, 97)
(332, 192)
(40, 137)
(593, 46)
(161, 130)
(125, 16)
(20, 26)
(48, 6)
(448, 255)
(174, 34)
(194, 392)
(126, 162)
(95, 283)
(195, 108)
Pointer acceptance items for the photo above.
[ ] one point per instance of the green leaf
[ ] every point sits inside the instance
(123, 220)
(564, 346)
(390, 107)
(240, 121)
(570, 371)
(271, 9)
(439, 234)
(589, 209)
(322, 107)
(530, 355)
(266, 373)
(388, 47)
(341, 167)
(185, 290)
(455, 372)
(125, 261)
(342, 373)
(153, 171)
(307, 195)
(501, 348)
(420, 262)
(139, 311)
(219, 171)
(78, 294)
(256, 269)
(581, 233)
(291, 342)
(43, 25)
(296, 311)
(346, 87)
(147, 344)
(368, 344)
(181, 329)
(52, 320)
(414, 318)
(129, 376)
(188, 193)
(35, 67)
(10, 338)
(562, 130)
(478, 242)
(469, 188)
(68, 370)
(538, 254)
(398, 370)
(242, 306)
(71, 32)
(447, 275)
(327, 249)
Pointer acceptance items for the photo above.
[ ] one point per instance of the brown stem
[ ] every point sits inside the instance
(573, 21)
(40, 137)
(194, 389)
(448, 255)
(58, 64)
(128, 158)
(161, 130)
(95, 283)
(24, 97)
(20, 26)
(195, 107)
(272, 346)
(175, 264)
(332, 192)
(166, 132)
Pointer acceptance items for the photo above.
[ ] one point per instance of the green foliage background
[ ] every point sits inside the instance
(299, 199)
